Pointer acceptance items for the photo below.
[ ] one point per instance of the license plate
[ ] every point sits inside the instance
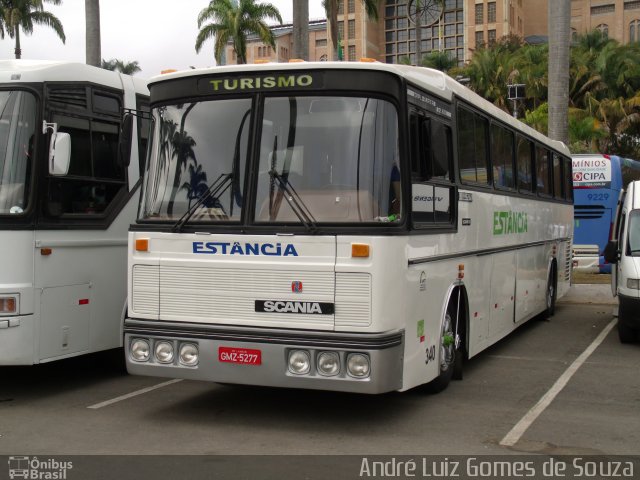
(242, 356)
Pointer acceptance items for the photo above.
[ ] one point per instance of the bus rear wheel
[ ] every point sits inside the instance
(551, 294)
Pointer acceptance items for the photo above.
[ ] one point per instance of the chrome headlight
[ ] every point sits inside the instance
(189, 354)
(299, 362)
(633, 283)
(164, 352)
(140, 350)
(329, 364)
(358, 365)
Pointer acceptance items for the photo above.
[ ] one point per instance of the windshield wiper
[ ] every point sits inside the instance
(215, 190)
(295, 202)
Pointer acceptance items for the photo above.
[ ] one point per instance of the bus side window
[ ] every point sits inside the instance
(472, 147)
(557, 177)
(568, 179)
(95, 178)
(502, 156)
(524, 163)
(441, 153)
(543, 178)
(431, 153)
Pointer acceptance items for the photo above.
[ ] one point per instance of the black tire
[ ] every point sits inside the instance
(626, 334)
(450, 355)
(551, 293)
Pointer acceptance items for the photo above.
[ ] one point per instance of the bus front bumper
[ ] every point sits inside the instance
(366, 362)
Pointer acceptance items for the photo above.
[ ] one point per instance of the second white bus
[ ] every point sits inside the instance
(68, 179)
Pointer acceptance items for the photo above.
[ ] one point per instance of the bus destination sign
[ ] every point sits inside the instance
(263, 82)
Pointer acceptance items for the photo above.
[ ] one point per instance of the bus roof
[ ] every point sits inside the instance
(433, 81)
(35, 71)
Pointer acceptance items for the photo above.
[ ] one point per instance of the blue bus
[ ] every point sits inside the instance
(597, 181)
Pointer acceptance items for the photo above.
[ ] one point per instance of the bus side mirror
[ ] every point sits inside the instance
(59, 154)
(611, 252)
(124, 143)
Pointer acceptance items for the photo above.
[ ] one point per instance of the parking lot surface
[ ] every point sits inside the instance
(89, 405)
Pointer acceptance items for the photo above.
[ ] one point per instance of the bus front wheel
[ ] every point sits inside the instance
(450, 355)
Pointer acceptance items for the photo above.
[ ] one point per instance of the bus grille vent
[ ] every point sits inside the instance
(588, 211)
(68, 96)
(353, 300)
(146, 290)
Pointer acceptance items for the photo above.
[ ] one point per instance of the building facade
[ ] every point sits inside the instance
(258, 51)
(403, 34)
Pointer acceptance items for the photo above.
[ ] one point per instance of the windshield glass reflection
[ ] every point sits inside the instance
(195, 146)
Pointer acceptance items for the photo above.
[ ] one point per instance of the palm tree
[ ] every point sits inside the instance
(197, 185)
(24, 14)
(301, 29)
(439, 60)
(92, 36)
(559, 30)
(331, 10)
(233, 22)
(128, 68)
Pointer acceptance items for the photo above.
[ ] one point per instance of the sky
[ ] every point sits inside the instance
(159, 34)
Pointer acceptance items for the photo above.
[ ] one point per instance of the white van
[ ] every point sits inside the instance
(623, 250)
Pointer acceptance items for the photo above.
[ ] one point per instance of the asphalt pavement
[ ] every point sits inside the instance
(590, 294)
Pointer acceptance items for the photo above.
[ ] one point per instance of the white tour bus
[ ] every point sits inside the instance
(68, 173)
(358, 226)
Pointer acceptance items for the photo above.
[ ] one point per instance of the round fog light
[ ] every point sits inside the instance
(140, 350)
(328, 364)
(299, 362)
(188, 354)
(358, 365)
(164, 352)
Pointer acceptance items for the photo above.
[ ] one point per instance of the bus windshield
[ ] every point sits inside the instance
(321, 159)
(17, 133)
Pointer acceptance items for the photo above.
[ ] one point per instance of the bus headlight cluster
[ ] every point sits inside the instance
(329, 364)
(633, 283)
(164, 352)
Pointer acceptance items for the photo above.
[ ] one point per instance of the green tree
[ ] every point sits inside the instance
(234, 22)
(439, 60)
(128, 68)
(24, 14)
(331, 10)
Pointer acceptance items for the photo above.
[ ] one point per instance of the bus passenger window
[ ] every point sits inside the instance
(543, 179)
(525, 173)
(568, 180)
(557, 176)
(440, 151)
(502, 156)
(472, 147)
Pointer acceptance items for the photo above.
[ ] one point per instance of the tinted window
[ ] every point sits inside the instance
(543, 172)
(524, 162)
(472, 147)
(502, 156)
